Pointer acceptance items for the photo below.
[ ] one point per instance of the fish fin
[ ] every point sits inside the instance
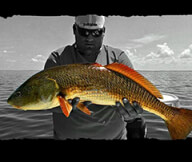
(65, 106)
(96, 64)
(181, 124)
(83, 108)
(135, 76)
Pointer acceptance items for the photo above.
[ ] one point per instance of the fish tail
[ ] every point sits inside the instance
(180, 124)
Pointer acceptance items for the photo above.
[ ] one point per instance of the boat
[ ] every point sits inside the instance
(170, 99)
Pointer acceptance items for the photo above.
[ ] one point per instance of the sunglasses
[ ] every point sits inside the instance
(86, 32)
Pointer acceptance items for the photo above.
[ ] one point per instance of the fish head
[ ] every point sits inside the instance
(35, 94)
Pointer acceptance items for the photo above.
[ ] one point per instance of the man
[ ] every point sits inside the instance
(106, 122)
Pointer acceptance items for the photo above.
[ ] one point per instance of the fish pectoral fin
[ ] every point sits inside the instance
(83, 108)
(65, 106)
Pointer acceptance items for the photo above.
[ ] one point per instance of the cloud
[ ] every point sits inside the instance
(133, 55)
(151, 56)
(140, 42)
(129, 53)
(164, 50)
(187, 53)
(5, 51)
(164, 58)
(39, 58)
(163, 55)
(148, 38)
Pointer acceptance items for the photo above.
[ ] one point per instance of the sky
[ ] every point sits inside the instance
(151, 42)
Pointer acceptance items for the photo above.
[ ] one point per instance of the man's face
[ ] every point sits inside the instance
(88, 41)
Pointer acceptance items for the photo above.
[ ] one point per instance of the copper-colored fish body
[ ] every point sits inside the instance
(103, 85)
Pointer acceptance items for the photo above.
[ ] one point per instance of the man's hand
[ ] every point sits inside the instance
(74, 102)
(129, 112)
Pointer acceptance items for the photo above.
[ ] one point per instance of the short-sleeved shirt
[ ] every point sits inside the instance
(105, 122)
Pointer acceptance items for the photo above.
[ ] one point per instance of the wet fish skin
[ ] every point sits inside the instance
(100, 85)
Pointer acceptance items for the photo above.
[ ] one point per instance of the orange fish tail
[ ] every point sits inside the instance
(181, 124)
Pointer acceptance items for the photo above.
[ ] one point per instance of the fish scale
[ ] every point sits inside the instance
(119, 84)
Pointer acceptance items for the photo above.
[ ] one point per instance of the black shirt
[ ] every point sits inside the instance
(105, 122)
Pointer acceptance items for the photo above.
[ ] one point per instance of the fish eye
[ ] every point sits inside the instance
(18, 93)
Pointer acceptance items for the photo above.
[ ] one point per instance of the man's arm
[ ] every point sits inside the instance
(52, 61)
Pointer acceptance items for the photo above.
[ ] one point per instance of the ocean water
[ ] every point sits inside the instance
(18, 124)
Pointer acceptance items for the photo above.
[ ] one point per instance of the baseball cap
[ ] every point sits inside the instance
(90, 21)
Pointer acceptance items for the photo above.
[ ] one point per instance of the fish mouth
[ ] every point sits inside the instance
(13, 105)
(9, 101)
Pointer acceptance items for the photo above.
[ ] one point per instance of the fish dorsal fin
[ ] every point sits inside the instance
(135, 76)
(96, 64)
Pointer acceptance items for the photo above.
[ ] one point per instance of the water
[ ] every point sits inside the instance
(18, 124)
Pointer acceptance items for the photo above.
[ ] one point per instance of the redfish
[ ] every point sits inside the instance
(102, 85)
